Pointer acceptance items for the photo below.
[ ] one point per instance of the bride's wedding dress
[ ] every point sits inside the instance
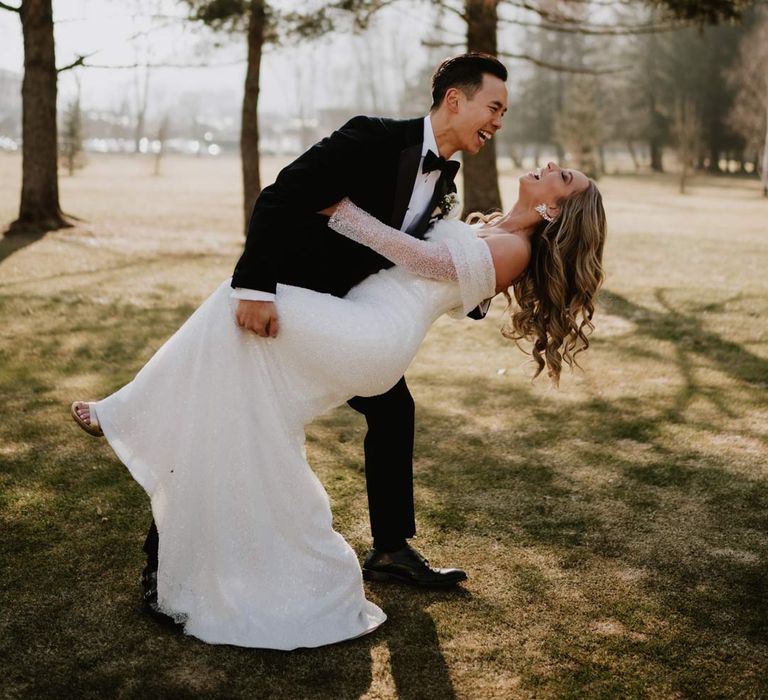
(212, 428)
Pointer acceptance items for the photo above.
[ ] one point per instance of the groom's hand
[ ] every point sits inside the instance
(258, 316)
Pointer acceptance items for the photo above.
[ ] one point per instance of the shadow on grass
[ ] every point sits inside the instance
(417, 663)
(11, 243)
(597, 487)
(690, 338)
(686, 525)
(73, 523)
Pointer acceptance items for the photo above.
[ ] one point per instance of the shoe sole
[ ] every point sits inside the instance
(386, 577)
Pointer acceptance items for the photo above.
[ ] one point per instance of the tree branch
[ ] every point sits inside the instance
(79, 61)
(11, 8)
(450, 8)
(431, 44)
(562, 68)
(531, 59)
(597, 30)
(131, 66)
(555, 17)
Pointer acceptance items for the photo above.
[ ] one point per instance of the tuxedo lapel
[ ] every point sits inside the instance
(442, 188)
(406, 177)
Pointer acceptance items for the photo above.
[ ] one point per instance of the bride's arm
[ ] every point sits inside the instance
(425, 258)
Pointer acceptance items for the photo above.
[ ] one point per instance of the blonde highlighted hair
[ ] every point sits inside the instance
(556, 293)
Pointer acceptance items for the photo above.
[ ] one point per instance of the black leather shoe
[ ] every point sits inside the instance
(406, 565)
(149, 600)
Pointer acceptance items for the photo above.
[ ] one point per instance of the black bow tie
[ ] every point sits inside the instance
(448, 168)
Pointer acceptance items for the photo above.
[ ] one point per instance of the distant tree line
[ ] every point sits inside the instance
(648, 71)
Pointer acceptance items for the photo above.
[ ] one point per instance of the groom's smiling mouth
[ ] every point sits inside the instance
(484, 135)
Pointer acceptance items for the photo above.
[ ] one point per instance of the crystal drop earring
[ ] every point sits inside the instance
(541, 209)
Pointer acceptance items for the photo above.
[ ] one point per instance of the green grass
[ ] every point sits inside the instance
(615, 531)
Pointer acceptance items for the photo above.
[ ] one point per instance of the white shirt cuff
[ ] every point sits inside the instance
(251, 294)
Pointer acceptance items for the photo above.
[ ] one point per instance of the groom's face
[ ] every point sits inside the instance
(478, 118)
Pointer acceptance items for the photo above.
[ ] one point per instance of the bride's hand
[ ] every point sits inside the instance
(329, 211)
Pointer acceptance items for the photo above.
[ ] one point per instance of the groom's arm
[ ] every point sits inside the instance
(323, 175)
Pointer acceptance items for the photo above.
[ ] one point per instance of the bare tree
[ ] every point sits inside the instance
(141, 80)
(39, 209)
(72, 133)
(162, 136)
(249, 130)
(749, 116)
(687, 130)
(481, 177)
(255, 18)
(578, 125)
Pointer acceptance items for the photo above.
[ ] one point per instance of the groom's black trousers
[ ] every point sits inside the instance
(389, 463)
(388, 468)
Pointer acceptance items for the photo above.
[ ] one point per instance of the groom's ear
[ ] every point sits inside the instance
(452, 99)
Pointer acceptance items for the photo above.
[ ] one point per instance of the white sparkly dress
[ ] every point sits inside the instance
(212, 428)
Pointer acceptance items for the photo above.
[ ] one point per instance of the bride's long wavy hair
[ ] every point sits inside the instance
(556, 294)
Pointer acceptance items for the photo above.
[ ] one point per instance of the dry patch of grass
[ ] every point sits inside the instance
(615, 531)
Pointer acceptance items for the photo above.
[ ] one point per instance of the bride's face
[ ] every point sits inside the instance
(551, 184)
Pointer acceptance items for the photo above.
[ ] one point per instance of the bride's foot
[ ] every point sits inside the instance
(85, 417)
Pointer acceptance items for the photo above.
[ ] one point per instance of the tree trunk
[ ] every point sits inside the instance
(249, 129)
(656, 123)
(655, 142)
(633, 155)
(142, 100)
(481, 179)
(683, 172)
(714, 159)
(657, 164)
(39, 209)
(764, 169)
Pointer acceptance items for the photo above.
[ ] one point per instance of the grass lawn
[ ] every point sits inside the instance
(615, 531)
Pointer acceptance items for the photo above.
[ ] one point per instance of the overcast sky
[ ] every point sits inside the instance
(318, 71)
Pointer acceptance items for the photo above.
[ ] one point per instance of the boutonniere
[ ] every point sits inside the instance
(447, 208)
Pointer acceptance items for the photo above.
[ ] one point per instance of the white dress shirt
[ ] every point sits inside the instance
(423, 189)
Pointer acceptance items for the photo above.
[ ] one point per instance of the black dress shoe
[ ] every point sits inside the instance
(149, 600)
(406, 565)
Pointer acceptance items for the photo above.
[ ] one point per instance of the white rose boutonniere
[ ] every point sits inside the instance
(447, 208)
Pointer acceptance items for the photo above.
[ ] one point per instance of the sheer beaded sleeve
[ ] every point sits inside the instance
(456, 254)
(425, 258)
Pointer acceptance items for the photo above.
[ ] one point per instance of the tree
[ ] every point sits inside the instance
(749, 76)
(72, 133)
(39, 209)
(481, 177)
(578, 125)
(249, 129)
(687, 130)
(709, 11)
(162, 136)
(259, 21)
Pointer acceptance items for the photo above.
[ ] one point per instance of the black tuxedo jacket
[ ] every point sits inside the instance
(372, 161)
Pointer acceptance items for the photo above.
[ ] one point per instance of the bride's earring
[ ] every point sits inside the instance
(541, 209)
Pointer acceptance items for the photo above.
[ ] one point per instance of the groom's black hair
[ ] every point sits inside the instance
(466, 73)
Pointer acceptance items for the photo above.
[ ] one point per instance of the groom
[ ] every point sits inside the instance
(400, 172)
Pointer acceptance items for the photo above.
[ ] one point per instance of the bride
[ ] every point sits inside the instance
(212, 427)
